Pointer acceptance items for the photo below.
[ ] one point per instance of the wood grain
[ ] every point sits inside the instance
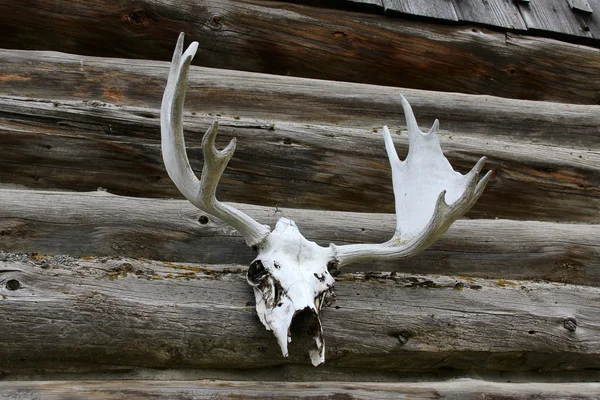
(553, 16)
(549, 18)
(85, 145)
(100, 224)
(499, 13)
(434, 9)
(65, 314)
(57, 77)
(592, 21)
(460, 389)
(580, 6)
(291, 39)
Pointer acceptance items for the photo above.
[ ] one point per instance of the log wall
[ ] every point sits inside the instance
(100, 224)
(208, 389)
(67, 314)
(290, 39)
(276, 119)
(146, 293)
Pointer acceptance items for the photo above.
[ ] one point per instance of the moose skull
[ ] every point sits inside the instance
(290, 275)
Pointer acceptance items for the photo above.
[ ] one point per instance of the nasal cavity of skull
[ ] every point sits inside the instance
(305, 326)
(257, 272)
(277, 295)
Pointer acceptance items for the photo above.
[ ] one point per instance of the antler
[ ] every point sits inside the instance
(429, 195)
(289, 276)
(200, 193)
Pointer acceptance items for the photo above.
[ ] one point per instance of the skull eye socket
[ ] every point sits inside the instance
(256, 272)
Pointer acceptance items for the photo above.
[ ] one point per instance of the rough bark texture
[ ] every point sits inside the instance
(462, 389)
(99, 224)
(75, 315)
(289, 39)
(86, 145)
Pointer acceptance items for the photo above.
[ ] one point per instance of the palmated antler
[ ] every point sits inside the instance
(429, 196)
(200, 193)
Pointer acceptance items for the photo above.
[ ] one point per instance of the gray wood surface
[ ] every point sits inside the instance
(592, 20)
(580, 6)
(85, 145)
(291, 39)
(439, 9)
(500, 13)
(57, 77)
(76, 315)
(460, 389)
(553, 16)
(377, 3)
(99, 224)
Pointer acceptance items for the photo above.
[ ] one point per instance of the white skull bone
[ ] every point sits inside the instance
(289, 276)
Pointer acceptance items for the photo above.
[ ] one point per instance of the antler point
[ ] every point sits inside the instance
(434, 127)
(230, 147)
(442, 196)
(483, 182)
(480, 164)
(190, 52)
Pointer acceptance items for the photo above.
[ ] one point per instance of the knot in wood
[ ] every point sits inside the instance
(403, 337)
(570, 324)
(13, 284)
(137, 17)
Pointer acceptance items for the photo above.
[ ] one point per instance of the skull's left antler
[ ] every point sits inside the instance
(429, 195)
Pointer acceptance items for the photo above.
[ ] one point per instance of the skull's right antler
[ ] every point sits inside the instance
(200, 193)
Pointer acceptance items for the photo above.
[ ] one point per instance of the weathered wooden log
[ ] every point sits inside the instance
(57, 77)
(99, 224)
(86, 145)
(291, 39)
(460, 389)
(65, 314)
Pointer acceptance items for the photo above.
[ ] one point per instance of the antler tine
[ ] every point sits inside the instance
(429, 195)
(200, 193)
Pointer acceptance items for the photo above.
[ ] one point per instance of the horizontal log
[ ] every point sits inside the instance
(100, 224)
(290, 39)
(58, 76)
(461, 389)
(85, 145)
(66, 314)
